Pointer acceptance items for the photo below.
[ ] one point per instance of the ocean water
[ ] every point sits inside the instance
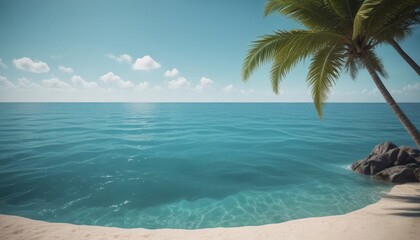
(156, 165)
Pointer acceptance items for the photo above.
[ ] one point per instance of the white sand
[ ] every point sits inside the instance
(396, 216)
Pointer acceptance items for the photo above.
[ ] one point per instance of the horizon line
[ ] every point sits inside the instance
(166, 102)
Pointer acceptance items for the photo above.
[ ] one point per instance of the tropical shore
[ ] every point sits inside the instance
(395, 216)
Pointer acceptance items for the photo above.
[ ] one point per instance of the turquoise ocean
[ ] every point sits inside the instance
(189, 165)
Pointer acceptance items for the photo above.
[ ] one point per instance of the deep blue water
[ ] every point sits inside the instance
(189, 165)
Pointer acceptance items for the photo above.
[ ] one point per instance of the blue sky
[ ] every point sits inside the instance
(113, 50)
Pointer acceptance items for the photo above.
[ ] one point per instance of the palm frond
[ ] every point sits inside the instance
(287, 47)
(313, 14)
(290, 48)
(376, 63)
(324, 70)
(346, 9)
(352, 67)
(362, 15)
(261, 51)
(398, 27)
(374, 14)
(282, 64)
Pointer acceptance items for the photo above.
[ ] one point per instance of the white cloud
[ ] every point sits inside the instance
(366, 91)
(2, 64)
(172, 73)
(145, 63)
(81, 83)
(25, 83)
(120, 58)
(407, 89)
(55, 83)
(4, 83)
(26, 64)
(157, 87)
(228, 88)
(205, 81)
(413, 87)
(115, 79)
(178, 83)
(142, 86)
(65, 69)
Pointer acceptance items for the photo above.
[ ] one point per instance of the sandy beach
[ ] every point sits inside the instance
(395, 216)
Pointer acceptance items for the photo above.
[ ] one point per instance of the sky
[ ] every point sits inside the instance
(161, 51)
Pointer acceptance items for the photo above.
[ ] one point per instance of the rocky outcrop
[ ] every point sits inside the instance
(391, 163)
(398, 174)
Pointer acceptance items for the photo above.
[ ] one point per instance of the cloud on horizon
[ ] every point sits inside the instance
(171, 73)
(65, 69)
(82, 84)
(27, 64)
(181, 82)
(204, 83)
(120, 58)
(110, 77)
(228, 88)
(142, 86)
(145, 63)
(4, 83)
(55, 83)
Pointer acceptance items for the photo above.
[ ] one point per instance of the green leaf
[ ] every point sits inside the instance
(352, 67)
(376, 63)
(362, 15)
(314, 14)
(285, 49)
(346, 9)
(374, 15)
(324, 70)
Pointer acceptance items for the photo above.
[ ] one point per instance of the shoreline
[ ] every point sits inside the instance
(395, 216)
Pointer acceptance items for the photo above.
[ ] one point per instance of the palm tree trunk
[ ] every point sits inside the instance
(404, 55)
(409, 126)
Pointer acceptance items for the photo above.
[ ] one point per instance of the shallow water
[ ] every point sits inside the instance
(189, 165)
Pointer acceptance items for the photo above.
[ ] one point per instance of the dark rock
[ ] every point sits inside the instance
(417, 173)
(414, 153)
(404, 158)
(390, 163)
(411, 165)
(397, 174)
(382, 148)
(386, 160)
(376, 163)
(360, 167)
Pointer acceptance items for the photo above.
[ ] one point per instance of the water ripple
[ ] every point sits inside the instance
(188, 165)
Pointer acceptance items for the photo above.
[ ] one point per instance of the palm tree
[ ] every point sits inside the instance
(398, 26)
(338, 36)
(404, 21)
(404, 55)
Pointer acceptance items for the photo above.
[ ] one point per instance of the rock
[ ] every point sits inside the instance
(376, 163)
(411, 151)
(417, 173)
(398, 174)
(411, 165)
(382, 148)
(404, 158)
(360, 167)
(391, 163)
